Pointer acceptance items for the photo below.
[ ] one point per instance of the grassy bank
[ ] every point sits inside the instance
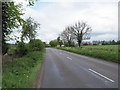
(102, 54)
(21, 73)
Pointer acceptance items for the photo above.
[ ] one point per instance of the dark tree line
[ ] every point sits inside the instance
(111, 42)
(56, 42)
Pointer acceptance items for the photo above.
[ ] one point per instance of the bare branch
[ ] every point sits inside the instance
(81, 30)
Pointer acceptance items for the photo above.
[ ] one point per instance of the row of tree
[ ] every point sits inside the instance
(56, 42)
(110, 42)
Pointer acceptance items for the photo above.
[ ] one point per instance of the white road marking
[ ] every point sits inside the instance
(69, 58)
(60, 53)
(102, 75)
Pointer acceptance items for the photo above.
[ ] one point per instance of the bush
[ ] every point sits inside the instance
(4, 48)
(35, 45)
(11, 51)
(21, 49)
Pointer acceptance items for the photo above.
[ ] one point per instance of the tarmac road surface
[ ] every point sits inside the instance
(64, 69)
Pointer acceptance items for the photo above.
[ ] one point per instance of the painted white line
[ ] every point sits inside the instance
(102, 75)
(60, 53)
(69, 58)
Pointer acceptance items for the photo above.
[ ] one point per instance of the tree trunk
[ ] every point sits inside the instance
(69, 43)
(79, 43)
(79, 38)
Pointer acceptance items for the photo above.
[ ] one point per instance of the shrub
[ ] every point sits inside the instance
(11, 51)
(4, 48)
(21, 49)
(36, 45)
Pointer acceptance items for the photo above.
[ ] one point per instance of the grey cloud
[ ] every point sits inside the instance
(54, 17)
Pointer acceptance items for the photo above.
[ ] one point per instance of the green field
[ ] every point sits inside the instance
(115, 47)
(102, 52)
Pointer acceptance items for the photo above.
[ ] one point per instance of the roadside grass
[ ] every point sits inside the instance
(106, 55)
(21, 73)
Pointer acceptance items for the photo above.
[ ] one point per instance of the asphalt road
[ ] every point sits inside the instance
(64, 69)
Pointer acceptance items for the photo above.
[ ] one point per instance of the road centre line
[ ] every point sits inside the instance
(69, 58)
(101, 75)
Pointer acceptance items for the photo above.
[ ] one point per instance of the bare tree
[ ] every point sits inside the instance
(82, 31)
(67, 35)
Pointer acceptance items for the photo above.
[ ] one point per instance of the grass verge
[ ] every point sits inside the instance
(106, 55)
(22, 72)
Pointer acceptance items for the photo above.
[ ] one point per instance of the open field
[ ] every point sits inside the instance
(22, 72)
(103, 47)
(106, 52)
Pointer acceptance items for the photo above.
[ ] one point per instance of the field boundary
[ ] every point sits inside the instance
(114, 50)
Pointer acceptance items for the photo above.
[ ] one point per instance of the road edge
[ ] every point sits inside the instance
(37, 83)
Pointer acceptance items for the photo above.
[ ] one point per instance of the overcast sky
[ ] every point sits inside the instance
(55, 15)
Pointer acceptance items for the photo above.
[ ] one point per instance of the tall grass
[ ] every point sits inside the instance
(22, 73)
